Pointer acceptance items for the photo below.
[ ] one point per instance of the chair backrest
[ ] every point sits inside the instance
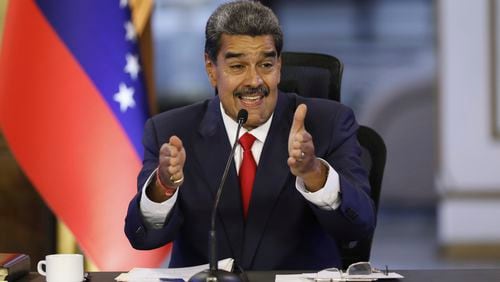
(318, 75)
(373, 158)
(312, 75)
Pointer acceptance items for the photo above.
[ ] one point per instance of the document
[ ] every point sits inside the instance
(169, 274)
(334, 276)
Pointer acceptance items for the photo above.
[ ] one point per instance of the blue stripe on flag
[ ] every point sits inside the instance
(95, 33)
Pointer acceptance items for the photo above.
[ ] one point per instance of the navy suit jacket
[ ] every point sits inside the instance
(283, 230)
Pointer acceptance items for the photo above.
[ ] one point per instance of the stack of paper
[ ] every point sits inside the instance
(157, 274)
(328, 276)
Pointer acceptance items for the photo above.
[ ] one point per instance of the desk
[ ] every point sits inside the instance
(458, 275)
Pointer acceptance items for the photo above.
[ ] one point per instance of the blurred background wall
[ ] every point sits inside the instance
(469, 147)
(420, 72)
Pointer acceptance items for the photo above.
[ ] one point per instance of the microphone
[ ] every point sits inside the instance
(213, 274)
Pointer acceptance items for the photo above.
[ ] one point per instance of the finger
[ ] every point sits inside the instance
(298, 137)
(305, 136)
(164, 161)
(174, 161)
(181, 153)
(296, 153)
(295, 165)
(305, 148)
(304, 144)
(298, 118)
(173, 170)
(173, 150)
(302, 136)
(176, 142)
(292, 162)
(177, 176)
(296, 145)
(165, 150)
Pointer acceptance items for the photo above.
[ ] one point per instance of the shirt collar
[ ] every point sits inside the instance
(260, 132)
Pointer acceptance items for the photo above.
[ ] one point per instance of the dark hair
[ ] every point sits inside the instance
(241, 18)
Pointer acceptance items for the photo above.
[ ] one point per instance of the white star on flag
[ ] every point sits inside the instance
(123, 3)
(130, 31)
(132, 66)
(125, 97)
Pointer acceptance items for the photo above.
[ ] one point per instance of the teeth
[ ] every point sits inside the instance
(251, 98)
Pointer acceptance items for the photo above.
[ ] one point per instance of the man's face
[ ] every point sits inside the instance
(246, 75)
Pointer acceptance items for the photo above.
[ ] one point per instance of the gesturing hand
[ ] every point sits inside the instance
(301, 155)
(171, 162)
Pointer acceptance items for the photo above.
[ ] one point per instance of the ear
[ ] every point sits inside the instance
(210, 68)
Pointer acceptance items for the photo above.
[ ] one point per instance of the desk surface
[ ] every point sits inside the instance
(457, 275)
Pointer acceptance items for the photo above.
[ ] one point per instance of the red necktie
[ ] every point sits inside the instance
(247, 170)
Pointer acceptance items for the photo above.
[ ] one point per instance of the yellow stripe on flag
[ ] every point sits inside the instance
(66, 244)
(3, 9)
(141, 11)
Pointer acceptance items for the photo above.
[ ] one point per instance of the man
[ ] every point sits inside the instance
(309, 192)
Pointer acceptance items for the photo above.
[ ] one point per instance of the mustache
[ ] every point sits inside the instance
(252, 90)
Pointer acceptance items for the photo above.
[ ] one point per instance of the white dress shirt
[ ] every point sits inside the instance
(327, 198)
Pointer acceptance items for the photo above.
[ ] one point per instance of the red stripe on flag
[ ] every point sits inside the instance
(67, 140)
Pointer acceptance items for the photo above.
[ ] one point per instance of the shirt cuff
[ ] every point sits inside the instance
(327, 197)
(154, 214)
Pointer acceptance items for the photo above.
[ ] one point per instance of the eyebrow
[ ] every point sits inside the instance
(271, 54)
(230, 55)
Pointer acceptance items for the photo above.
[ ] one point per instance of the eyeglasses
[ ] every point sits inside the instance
(327, 275)
(364, 268)
(358, 268)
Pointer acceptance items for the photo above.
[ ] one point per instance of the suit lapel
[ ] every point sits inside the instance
(272, 173)
(211, 152)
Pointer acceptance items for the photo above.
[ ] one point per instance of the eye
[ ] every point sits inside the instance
(267, 65)
(236, 67)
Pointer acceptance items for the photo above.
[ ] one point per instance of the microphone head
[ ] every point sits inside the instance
(242, 116)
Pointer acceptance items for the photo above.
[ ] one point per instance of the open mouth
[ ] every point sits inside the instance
(252, 97)
(251, 100)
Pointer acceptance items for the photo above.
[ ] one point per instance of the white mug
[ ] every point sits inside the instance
(62, 268)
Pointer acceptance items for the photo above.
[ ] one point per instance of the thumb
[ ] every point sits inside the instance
(298, 118)
(176, 142)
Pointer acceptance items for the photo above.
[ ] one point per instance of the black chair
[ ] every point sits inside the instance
(373, 158)
(311, 75)
(318, 75)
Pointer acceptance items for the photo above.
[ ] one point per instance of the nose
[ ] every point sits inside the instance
(253, 78)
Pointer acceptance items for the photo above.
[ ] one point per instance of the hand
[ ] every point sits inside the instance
(171, 162)
(301, 155)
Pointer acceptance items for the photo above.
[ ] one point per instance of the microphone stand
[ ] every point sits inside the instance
(213, 274)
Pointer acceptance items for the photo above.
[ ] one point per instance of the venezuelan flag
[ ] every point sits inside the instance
(72, 109)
